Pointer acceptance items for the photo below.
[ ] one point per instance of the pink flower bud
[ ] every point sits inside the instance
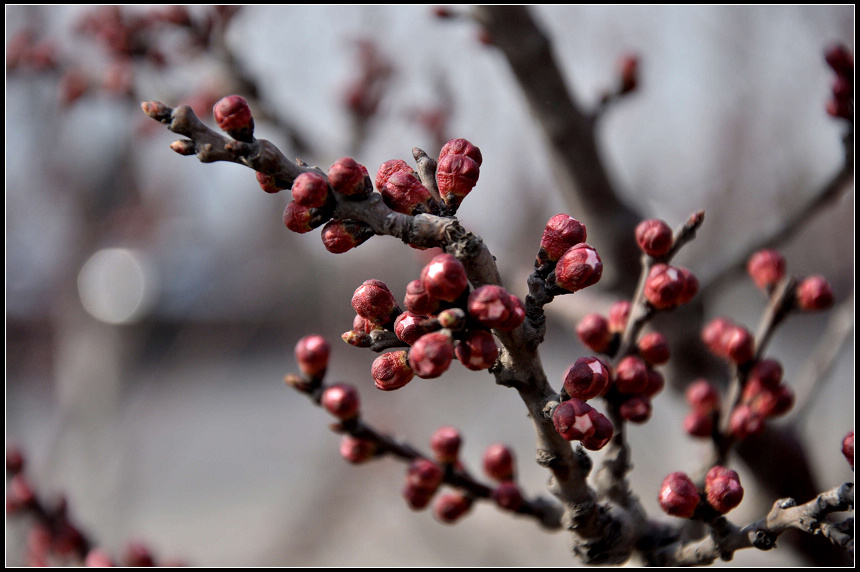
(631, 375)
(517, 317)
(678, 495)
(768, 402)
(574, 419)
(404, 193)
(416, 497)
(461, 147)
(848, 448)
(636, 409)
(699, 423)
(702, 396)
(425, 474)
(456, 176)
(444, 278)
(655, 384)
(603, 431)
(418, 301)
(408, 328)
(233, 116)
(186, 147)
(347, 177)
(391, 371)
(691, 286)
(431, 355)
(714, 333)
(507, 496)
(578, 268)
(451, 507)
(374, 302)
(588, 377)
(619, 313)
(739, 345)
(499, 462)
(341, 400)
(356, 450)
(310, 190)
(561, 233)
(664, 286)
(445, 444)
(814, 293)
(768, 372)
(302, 219)
(723, 489)
(766, 268)
(341, 236)
(477, 350)
(389, 168)
(744, 422)
(490, 305)
(593, 332)
(312, 353)
(654, 237)
(268, 183)
(653, 348)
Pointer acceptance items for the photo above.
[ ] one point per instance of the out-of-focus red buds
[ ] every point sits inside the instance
(498, 462)
(814, 293)
(678, 495)
(766, 268)
(312, 353)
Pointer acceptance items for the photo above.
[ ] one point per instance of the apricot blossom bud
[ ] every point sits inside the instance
(768, 372)
(374, 302)
(636, 409)
(702, 396)
(341, 236)
(713, 334)
(444, 278)
(744, 422)
(477, 350)
(619, 313)
(664, 287)
(187, 147)
(461, 147)
(404, 193)
(490, 305)
(418, 301)
(766, 401)
(445, 443)
(814, 293)
(653, 348)
(699, 423)
(233, 116)
(416, 497)
(267, 182)
(356, 450)
(655, 384)
(312, 353)
(603, 431)
(723, 489)
(341, 400)
(431, 355)
(425, 474)
(310, 190)
(678, 495)
(654, 237)
(848, 448)
(389, 168)
(588, 377)
(574, 419)
(593, 332)
(391, 371)
(303, 219)
(560, 234)
(507, 496)
(739, 345)
(766, 267)
(578, 268)
(517, 317)
(450, 507)
(347, 177)
(498, 462)
(631, 375)
(456, 176)
(408, 327)
(691, 286)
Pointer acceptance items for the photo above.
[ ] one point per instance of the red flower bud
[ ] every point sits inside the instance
(713, 334)
(445, 444)
(508, 496)
(477, 350)
(312, 353)
(233, 116)
(814, 293)
(302, 219)
(631, 375)
(603, 431)
(619, 313)
(739, 345)
(768, 372)
(574, 419)
(678, 495)
(490, 305)
(391, 371)
(418, 301)
(404, 193)
(653, 348)
(588, 377)
(425, 474)
(723, 489)
(408, 328)
(374, 301)
(744, 422)
(655, 385)
(340, 236)
(578, 268)
(768, 402)
(347, 177)
(702, 396)
(444, 278)
(499, 462)
(848, 448)
(431, 355)
(267, 182)
(461, 147)
(699, 423)
(450, 507)
(357, 450)
(691, 286)
(517, 317)
(767, 268)
(637, 409)
(456, 176)
(389, 168)
(561, 233)
(341, 400)
(593, 332)
(310, 190)
(654, 237)
(664, 287)
(416, 497)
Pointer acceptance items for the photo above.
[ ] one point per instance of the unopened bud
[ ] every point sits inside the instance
(477, 350)
(744, 422)
(418, 301)
(431, 355)
(498, 462)
(391, 371)
(723, 489)
(408, 328)
(451, 507)
(699, 423)
(507, 496)
(560, 234)
(636, 409)
(603, 431)
(445, 444)
(341, 236)
(184, 147)
(461, 147)
(655, 384)
(574, 419)
(389, 168)
(404, 193)
(768, 372)
(702, 396)
(814, 293)
(416, 497)
(341, 400)
(653, 348)
(588, 377)
(233, 116)
(424, 474)
(840, 59)
(356, 450)
(766, 268)
(593, 332)
(490, 305)
(302, 219)
(444, 278)
(654, 237)
(312, 353)
(664, 287)
(268, 183)
(578, 268)
(456, 176)
(678, 495)
(374, 302)
(347, 177)
(631, 375)
(628, 72)
(310, 190)
(739, 345)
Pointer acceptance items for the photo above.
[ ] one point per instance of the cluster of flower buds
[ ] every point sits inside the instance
(564, 259)
(500, 465)
(764, 396)
(443, 320)
(841, 103)
(704, 400)
(729, 341)
(680, 497)
(573, 418)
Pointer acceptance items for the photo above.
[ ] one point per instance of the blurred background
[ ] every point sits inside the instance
(153, 302)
